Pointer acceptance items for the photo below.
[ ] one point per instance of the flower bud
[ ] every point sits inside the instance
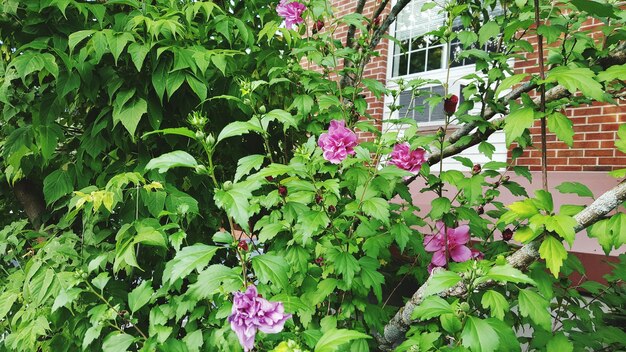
(496, 184)
(476, 169)
(464, 306)
(480, 210)
(332, 209)
(505, 179)
(200, 169)
(210, 140)
(376, 21)
(269, 178)
(507, 234)
(440, 132)
(319, 261)
(228, 185)
(282, 190)
(199, 135)
(318, 198)
(243, 245)
(317, 26)
(449, 105)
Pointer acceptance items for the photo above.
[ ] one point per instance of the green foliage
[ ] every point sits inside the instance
(144, 240)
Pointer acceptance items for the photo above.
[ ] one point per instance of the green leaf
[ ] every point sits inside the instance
(509, 82)
(167, 161)
(505, 273)
(78, 37)
(237, 128)
(524, 209)
(595, 8)
(130, 113)
(576, 188)
(559, 343)
(534, 306)
(181, 131)
(612, 73)
(488, 30)
(334, 338)
(543, 200)
(554, 253)
(247, 164)
(140, 296)
(6, 302)
(346, 265)
(48, 137)
(56, 185)
(563, 225)
(281, 116)
(138, 54)
(116, 342)
(188, 259)
(235, 202)
(517, 122)
(497, 304)
(271, 268)
(377, 208)
(431, 307)
(439, 206)
(211, 279)
(117, 42)
(440, 281)
(562, 127)
(577, 78)
(479, 336)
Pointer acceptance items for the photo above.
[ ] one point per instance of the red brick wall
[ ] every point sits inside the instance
(595, 129)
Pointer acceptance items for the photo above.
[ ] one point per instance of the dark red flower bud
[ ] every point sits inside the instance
(317, 26)
(243, 245)
(282, 190)
(318, 198)
(505, 179)
(449, 105)
(269, 179)
(331, 209)
(507, 234)
(476, 169)
(377, 21)
(480, 210)
(319, 261)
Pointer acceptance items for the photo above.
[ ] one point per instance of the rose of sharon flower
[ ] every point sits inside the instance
(411, 160)
(456, 248)
(251, 312)
(338, 142)
(291, 12)
(449, 105)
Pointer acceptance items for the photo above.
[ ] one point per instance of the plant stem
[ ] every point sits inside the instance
(542, 104)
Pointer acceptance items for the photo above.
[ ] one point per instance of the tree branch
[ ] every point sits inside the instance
(30, 196)
(394, 332)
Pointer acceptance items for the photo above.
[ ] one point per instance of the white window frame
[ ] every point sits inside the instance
(455, 82)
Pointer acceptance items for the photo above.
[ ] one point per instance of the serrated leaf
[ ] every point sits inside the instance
(479, 336)
(167, 161)
(496, 303)
(188, 259)
(271, 268)
(612, 73)
(577, 78)
(505, 273)
(554, 253)
(534, 306)
(440, 281)
(559, 343)
(212, 278)
(116, 342)
(237, 128)
(334, 338)
(439, 206)
(562, 126)
(431, 307)
(56, 185)
(517, 122)
(247, 164)
(140, 296)
(575, 188)
(377, 208)
(346, 265)
(563, 225)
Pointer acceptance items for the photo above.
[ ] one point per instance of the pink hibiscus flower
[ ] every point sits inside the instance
(291, 12)
(448, 242)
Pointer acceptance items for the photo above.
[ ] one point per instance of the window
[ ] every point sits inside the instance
(416, 107)
(416, 51)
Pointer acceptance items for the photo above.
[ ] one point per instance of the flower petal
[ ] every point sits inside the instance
(460, 253)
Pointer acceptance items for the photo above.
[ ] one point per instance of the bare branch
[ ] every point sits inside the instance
(394, 332)
(352, 29)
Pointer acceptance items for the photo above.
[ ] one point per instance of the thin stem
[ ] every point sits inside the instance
(542, 104)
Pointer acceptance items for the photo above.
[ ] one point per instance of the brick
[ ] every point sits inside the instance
(603, 136)
(613, 161)
(596, 168)
(599, 152)
(587, 111)
(570, 153)
(568, 168)
(582, 161)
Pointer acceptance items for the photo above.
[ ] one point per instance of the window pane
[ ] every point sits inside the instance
(438, 113)
(434, 58)
(400, 65)
(418, 60)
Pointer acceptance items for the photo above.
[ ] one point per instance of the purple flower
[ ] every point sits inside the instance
(251, 312)
(452, 245)
(291, 12)
(477, 255)
(406, 159)
(338, 142)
